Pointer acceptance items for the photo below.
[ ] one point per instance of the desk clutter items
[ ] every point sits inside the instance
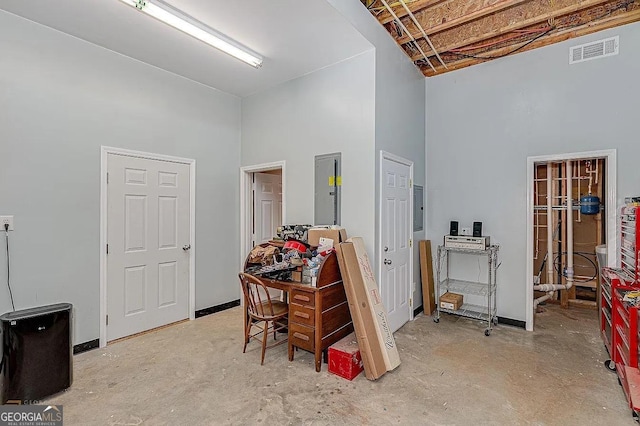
(265, 260)
(311, 267)
(297, 255)
(263, 255)
(375, 339)
(269, 269)
(325, 244)
(336, 233)
(292, 245)
(294, 262)
(345, 359)
(293, 232)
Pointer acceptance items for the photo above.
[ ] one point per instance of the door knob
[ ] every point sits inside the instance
(186, 247)
(387, 262)
(386, 248)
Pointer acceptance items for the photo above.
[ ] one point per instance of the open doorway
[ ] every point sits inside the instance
(571, 218)
(266, 205)
(262, 204)
(561, 257)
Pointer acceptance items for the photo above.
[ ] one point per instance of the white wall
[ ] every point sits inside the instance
(400, 109)
(330, 110)
(484, 121)
(400, 125)
(61, 99)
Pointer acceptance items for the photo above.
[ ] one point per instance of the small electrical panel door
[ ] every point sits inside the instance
(418, 208)
(328, 182)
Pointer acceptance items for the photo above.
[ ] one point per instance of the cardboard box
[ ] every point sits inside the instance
(337, 235)
(451, 301)
(344, 358)
(391, 356)
(371, 351)
(375, 340)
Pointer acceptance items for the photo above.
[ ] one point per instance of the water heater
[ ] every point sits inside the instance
(36, 353)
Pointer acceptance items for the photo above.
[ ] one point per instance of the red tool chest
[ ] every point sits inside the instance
(619, 331)
(630, 243)
(625, 329)
(608, 280)
(619, 318)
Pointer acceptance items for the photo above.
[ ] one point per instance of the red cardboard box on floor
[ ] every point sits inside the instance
(344, 358)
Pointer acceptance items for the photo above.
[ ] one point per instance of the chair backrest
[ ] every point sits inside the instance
(256, 296)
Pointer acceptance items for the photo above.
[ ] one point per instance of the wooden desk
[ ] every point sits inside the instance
(318, 316)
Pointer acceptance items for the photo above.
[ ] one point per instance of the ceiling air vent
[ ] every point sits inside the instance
(594, 50)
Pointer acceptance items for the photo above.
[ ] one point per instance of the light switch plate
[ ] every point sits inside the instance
(4, 220)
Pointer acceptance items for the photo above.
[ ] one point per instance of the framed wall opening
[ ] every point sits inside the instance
(247, 179)
(550, 181)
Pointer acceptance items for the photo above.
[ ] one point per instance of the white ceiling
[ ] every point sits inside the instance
(295, 37)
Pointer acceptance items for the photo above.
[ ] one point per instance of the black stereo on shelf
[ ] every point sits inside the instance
(477, 229)
(453, 228)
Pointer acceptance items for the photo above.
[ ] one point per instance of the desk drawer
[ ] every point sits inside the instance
(305, 298)
(302, 314)
(301, 336)
(335, 318)
(333, 296)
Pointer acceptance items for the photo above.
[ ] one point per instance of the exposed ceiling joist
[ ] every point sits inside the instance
(464, 33)
(385, 17)
(505, 23)
(471, 11)
(555, 38)
(406, 31)
(426, 37)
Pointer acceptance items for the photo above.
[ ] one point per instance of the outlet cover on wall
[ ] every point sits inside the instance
(6, 220)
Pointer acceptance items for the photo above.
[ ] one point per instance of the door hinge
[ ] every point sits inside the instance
(107, 178)
(107, 248)
(411, 302)
(410, 243)
(107, 319)
(410, 183)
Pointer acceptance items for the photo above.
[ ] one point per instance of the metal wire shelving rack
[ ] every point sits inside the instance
(486, 289)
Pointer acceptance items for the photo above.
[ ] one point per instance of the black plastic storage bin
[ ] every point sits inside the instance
(36, 359)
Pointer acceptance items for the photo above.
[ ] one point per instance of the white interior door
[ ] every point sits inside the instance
(267, 205)
(395, 286)
(148, 244)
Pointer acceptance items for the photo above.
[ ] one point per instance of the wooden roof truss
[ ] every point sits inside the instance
(445, 35)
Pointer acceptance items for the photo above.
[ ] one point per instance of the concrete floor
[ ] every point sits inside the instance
(194, 373)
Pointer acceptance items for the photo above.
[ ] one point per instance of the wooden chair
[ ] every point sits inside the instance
(261, 309)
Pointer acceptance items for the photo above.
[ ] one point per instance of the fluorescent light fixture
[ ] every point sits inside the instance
(180, 21)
